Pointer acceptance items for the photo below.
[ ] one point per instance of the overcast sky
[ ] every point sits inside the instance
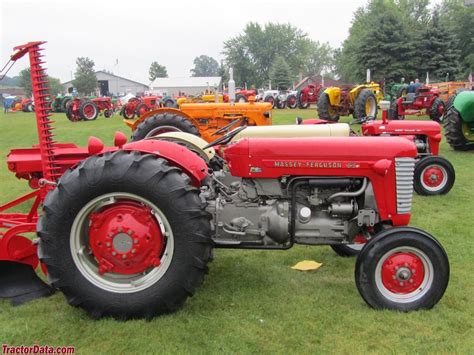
(139, 32)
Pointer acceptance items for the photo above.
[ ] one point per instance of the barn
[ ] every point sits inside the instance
(189, 86)
(109, 83)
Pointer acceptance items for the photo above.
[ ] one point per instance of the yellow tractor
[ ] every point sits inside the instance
(207, 120)
(361, 101)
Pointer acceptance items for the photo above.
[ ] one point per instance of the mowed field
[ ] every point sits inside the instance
(252, 301)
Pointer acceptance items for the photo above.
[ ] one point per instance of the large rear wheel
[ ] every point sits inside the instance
(403, 269)
(365, 105)
(437, 110)
(125, 235)
(163, 123)
(291, 101)
(457, 132)
(325, 110)
(88, 111)
(303, 101)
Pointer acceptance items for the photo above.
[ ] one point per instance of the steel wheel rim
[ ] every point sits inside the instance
(423, 287)
(86, 263)
(434, 172)
(160, 130)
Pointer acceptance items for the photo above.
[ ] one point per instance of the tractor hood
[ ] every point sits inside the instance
(276, 157)
(375, 128)
(464, 104)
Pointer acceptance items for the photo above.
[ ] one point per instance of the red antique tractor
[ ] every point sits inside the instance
(309, 95)
(425, 101)
(88, 109)
(138, 106)
(127, 231)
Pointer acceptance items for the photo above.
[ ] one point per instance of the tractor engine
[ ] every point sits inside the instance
(277, 212)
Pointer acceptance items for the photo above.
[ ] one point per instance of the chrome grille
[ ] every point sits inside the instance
(404, 169)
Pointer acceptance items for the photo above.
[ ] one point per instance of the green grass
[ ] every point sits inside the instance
(252, 301)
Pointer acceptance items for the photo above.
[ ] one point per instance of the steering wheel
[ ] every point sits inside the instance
(226, 138)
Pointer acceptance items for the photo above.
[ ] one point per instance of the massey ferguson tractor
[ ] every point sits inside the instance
(127, 231)
(361, 101)
(459, 122)
(425, 101)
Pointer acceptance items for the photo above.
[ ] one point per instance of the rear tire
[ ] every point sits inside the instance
(402, 269)
(325, 110)
(161, 123)
(365, 105)
(88, 111)
(347, 250)
(453, 131)
(271, 100)
(393, 112)
(173, 203)
(434, 175)
(302, 103)
(280, 104)
(240, 98)
(64, 103)
(141, 110)
(437, 110)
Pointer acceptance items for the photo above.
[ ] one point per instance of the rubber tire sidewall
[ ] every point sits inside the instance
(164, 119)
(423, 164)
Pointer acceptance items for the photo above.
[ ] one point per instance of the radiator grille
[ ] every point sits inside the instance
(404, 169)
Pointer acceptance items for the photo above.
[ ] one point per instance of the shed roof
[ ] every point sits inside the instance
(194, 81)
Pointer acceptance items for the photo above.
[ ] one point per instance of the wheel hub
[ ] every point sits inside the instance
(403, 273)
(433, 176)
(125, 238)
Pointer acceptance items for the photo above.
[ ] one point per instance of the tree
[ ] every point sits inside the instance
(223, 73)
(320, 59)
(280, 74)
(157, 71)
(205, 66)
(25, 81)
(55, 86)
(85, 80)
(252, 53)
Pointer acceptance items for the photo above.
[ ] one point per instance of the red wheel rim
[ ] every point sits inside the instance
(434, 177)
(291, 101)
(403, 272)
(441, 109)
(125, 238)
(143, 110)
(129, 110)
(89, 111)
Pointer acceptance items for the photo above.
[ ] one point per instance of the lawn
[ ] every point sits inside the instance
(252, 301)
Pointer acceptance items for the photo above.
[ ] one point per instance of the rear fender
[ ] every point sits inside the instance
(177, 155)
(133, 124)
(334, 94)
(464, 104)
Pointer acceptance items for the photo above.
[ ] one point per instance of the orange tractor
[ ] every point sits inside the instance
(207, 120)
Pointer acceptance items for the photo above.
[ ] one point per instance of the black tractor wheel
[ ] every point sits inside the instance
(303, 102)
(271, 100)
(162, 123)
(434, 175)
(141, 110)
(240, 98)
(125, 235)
(170, 103)
(450, 102)
(108, 113)
(403, 269)
(325, 110)
(393, 111)
(437, 110)
(88, 111)
(292, 101)
(128, 112)
(365, 105)
(454, 131)
(280, 104)
(64, 103)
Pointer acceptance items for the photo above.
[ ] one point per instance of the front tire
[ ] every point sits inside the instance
(403, 269)
(162, 123)
(325, 110)
(437, 110)
(292, 102)
(105, 207)
(434, 175)
(271, 100)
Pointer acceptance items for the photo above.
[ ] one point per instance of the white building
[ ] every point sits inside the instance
(113, 84)
(189, 86)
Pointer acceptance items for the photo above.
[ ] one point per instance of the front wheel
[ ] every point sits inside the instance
(433, 176)
(403, 269)
(291, 101)
(125, 235)
(270, 99)
(437, 110)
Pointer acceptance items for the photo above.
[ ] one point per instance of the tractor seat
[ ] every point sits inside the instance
(295, 131)
(409, 99)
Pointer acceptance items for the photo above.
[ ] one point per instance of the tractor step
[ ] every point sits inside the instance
(21, 284)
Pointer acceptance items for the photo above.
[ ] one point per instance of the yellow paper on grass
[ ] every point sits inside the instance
(307, 265)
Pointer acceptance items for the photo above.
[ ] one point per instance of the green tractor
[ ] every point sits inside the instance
(394, 90)
(459, 122)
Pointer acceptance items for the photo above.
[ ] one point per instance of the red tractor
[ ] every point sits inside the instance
(138, 106)
(425, 101)
(88, 109)
(127, 231)
(309, 95)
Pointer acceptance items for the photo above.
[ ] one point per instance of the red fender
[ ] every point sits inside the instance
(176, 154)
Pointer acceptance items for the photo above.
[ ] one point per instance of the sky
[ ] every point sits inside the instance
(137, 32)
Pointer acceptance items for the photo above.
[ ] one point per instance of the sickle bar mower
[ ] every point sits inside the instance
(18, 259)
